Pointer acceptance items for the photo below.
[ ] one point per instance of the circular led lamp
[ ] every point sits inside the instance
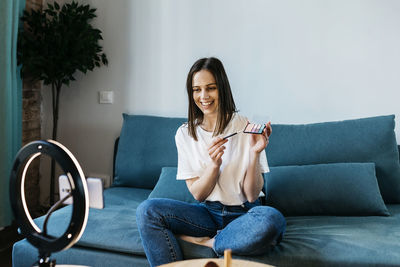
(80, 207)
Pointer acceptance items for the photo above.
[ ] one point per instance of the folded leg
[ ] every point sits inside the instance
(159, 220)
(252, 233)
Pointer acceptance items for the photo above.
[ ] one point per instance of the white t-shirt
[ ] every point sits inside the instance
(193, 159)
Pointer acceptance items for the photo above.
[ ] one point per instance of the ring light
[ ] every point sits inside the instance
(45, 243)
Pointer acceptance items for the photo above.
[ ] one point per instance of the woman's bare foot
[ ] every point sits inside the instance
(202, 241)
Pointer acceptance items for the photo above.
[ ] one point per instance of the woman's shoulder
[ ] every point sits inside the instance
(239, 121)
(240, 117)
(182, 131)
(183, 128)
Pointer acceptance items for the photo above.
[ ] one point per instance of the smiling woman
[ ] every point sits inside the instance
(223, 174)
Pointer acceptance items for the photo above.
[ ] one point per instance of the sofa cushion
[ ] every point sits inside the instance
(169, 187)
(112, 228)
(325, 189)
(331, 241)
(24, 255)
(308, 241)
(362, 140)
(146, 145)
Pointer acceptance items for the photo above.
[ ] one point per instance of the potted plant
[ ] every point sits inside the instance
(54, 44)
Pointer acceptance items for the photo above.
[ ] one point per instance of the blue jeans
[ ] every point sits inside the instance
(248, 229)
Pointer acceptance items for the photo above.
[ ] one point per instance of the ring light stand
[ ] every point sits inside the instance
(45, 243)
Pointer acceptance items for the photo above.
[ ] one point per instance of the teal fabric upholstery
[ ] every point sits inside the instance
(112, 228)
(308, 241)
(331, 241)
(111, 235)
(168, 187)
(325, 189)
(24, 255)
(147, 143)
(362, 140)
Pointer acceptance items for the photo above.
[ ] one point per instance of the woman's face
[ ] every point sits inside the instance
(205, 92)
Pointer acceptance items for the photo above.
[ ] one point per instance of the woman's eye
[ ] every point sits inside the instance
(196, 90)
(212, 88)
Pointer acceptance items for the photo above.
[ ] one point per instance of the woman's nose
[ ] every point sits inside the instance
(204, 94)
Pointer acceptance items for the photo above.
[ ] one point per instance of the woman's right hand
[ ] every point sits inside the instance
(216, 150)
(201, 187)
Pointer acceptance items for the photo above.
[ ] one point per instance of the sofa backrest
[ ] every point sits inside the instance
(361, 140)
(146, 144)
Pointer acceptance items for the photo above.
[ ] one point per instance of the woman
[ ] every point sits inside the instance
(224, 175)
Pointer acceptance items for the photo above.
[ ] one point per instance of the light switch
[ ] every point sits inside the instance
(106, 97)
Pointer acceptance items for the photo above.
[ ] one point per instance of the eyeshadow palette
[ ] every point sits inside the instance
(254, 128)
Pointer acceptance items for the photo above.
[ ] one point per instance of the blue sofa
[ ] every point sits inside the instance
(337, 183)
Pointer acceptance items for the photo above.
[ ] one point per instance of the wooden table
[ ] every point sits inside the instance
(219, 262)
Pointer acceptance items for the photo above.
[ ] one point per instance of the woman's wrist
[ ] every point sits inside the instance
(214, 168)
(253, 181)
(254, 155)
(254, 159)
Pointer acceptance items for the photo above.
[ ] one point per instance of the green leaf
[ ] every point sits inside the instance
(56, 6)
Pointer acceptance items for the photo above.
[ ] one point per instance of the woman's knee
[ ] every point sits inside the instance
(269, 219)
(269, 214)
(148, 209)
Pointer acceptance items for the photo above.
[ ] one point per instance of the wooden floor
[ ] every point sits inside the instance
(8, 237)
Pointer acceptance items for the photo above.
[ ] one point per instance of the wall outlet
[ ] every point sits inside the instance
(106, 97)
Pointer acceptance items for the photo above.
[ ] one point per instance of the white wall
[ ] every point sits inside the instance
(290, 61)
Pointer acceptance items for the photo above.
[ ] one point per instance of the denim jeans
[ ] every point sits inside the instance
(248, 229)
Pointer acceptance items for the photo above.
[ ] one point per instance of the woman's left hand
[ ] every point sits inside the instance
(258, 142)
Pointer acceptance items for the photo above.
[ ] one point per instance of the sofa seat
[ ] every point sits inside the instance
(309, 240)
(113, 235)
(112, 228)
(25, 255)
(338, 241)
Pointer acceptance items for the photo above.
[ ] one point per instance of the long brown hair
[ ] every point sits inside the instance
(226, 103)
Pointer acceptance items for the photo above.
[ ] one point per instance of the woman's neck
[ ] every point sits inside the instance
(209, 123)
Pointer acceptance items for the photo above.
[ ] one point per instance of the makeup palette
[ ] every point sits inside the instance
(254, 128)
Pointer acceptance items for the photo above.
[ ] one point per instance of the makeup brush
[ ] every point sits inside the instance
(226, 137)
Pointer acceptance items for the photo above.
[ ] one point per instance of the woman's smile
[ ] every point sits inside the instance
(206, 104)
